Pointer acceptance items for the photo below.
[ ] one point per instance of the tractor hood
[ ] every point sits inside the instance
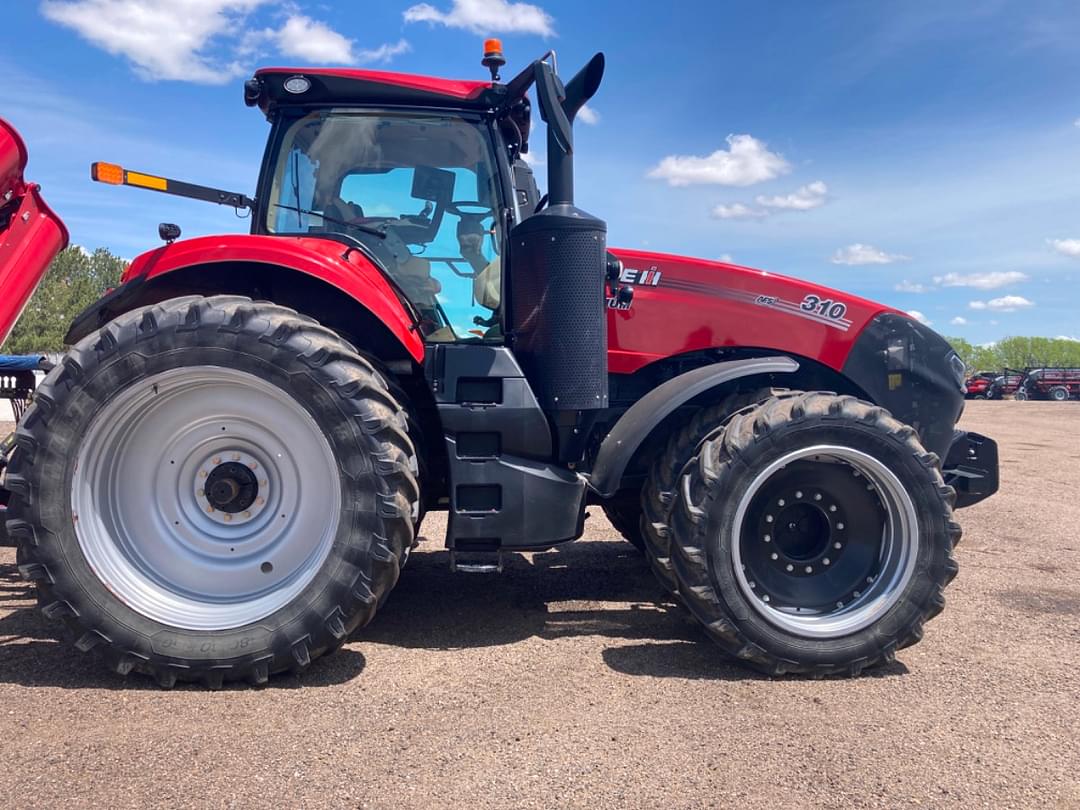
(30, 233)
(682, 304)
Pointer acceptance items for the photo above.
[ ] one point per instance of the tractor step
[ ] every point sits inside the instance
(476, 562)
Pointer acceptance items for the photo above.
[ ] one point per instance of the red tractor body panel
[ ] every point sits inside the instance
(323, 259)
(455, 89)
(684, 304)
(30, 233)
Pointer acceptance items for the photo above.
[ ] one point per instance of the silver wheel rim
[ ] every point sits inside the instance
(148, 526)
(868, 602)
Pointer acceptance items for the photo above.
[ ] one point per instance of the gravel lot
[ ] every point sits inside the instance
(569, 681)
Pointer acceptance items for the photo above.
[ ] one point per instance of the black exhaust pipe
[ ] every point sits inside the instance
(558, 261)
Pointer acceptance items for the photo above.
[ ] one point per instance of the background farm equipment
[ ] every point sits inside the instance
(1056, 384)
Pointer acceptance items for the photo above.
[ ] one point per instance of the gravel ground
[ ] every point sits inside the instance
(569, 681)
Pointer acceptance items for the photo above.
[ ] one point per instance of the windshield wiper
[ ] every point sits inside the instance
(362, 228)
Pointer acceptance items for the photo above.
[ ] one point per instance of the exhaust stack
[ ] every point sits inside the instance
(558, 257)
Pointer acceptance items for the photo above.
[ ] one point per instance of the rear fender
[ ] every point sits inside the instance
(30, 233)
(647, 413)
(336, 285)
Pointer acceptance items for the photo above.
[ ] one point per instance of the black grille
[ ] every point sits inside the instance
(558, 312)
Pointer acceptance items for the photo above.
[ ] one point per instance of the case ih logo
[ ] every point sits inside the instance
(631, 275)
(650, 277)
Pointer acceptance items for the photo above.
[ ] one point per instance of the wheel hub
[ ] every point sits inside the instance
(205, 497)
(822, 537)
(231, 486)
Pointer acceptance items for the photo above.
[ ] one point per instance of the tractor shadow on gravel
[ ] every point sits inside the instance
(554, 595)
(36, 652)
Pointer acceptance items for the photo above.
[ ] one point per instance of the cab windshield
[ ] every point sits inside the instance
(419, 191)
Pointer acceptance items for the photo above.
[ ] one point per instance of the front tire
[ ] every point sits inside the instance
(212, 489)
(814, 534)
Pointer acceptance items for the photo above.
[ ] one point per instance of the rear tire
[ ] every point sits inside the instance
(229, 575)
(754, 517)
(1059, 394)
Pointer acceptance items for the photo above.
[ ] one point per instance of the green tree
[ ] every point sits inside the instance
(1019, 353)
(74, 280)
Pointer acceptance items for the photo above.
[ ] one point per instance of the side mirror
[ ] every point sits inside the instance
(550, 91)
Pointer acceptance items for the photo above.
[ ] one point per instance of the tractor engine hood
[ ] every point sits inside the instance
(681, 304)
(30, 233)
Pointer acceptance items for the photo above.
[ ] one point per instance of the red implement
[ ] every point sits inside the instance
(30, 233)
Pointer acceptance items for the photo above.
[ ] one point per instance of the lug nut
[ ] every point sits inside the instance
(217, 461)
(809, 569)
(840, 525)
(768, 518)
(857, 594)
(817, 496)
(839, 604)
(210, 510)
(790, 567)
(837, 545)
(798, 493)
(228, 517)
(766, 597)
(832, 508)
(780, 502)
(767, 538)
(826, 561)
(202, 473)
(774, 556)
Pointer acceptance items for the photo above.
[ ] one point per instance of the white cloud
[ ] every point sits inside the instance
(163, 39)
(305, 38)
(745, 162)
(1066, 247)
(803, 199)
(914, 313)
(981, 281)
(959, 321)
(315, 42)
(1076, 123)
(910, 287)
(587, 115)
(384, 53)
(1007, 303)
(486, 17)
(859, 253)
(737, 211)
(1067, 337)
(725, 258)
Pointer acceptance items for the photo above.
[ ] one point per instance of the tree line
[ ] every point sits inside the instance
(1018, 353)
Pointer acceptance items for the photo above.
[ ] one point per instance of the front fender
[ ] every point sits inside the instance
(647, 413)
(346, 269)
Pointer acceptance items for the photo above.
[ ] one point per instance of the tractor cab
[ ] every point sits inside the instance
(424, 175)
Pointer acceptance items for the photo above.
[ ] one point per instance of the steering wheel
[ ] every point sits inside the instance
(455, 207)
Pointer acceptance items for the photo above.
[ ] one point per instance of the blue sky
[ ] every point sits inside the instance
(923, 154)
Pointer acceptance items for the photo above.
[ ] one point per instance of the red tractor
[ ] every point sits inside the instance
(225, 475)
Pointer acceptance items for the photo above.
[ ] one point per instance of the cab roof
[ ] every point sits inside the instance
(345, 86)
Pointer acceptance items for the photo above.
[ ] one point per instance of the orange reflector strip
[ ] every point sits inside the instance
(107, 173)
(146, 181)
